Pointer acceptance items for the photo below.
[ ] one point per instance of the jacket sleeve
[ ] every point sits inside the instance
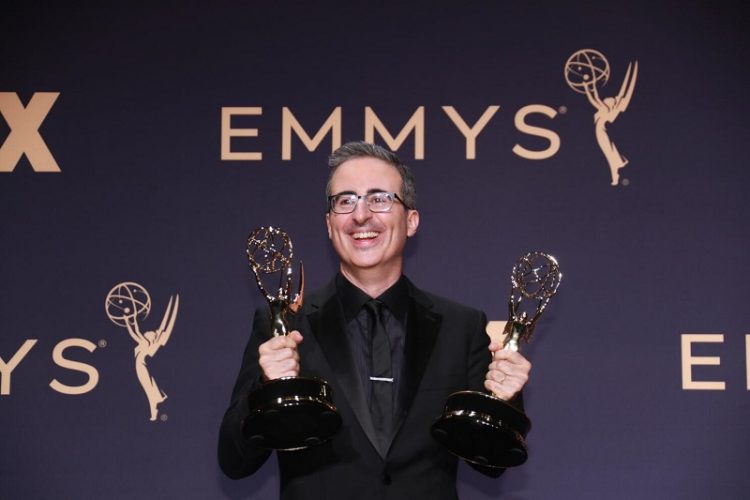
(237, 457)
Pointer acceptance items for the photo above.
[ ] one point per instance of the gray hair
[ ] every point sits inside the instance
(361, 149)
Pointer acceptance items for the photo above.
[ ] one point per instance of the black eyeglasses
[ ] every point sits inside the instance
(380, 201)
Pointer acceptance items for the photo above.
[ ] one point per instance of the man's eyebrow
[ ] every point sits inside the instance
(369, 191)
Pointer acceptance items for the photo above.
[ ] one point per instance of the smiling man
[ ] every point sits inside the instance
(367, 231)
(391, 352)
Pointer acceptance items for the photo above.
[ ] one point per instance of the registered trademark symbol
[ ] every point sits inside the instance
(625, 182)
(562, 110)
(102, 343)
(164, 417)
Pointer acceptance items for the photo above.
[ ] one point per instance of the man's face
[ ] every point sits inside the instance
(365, 240)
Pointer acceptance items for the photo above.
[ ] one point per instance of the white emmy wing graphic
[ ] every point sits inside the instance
(585, 71)
(128, 302)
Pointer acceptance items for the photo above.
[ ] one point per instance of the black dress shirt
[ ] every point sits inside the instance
(395, 312)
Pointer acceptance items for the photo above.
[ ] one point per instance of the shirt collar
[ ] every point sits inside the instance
(395, 298)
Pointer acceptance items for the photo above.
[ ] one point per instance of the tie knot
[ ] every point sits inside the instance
(374, 307)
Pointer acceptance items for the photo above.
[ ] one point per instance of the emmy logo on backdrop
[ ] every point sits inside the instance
(125, 304)
(586, 71)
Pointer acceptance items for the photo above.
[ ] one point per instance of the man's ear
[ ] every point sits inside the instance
(412, 222)
(328, 224)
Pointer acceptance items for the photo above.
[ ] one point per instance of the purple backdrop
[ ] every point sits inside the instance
(144, 195)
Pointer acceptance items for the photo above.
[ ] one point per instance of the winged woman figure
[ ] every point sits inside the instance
(607, 111)
(147, 345)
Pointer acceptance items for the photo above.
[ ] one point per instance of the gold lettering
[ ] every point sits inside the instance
(522, 126)
(688, 361)
(227, 132)
(24, 137)
(415, 124)
(59, 358)
(470, 133)
(289, 123)
(7, 368)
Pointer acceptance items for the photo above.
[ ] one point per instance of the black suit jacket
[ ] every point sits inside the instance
(445, 351)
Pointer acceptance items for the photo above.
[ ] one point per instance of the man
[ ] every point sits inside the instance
(433, 346)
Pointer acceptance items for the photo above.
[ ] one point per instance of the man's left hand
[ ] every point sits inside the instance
(508, 372)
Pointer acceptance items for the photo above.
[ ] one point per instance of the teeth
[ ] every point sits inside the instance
(367, 235)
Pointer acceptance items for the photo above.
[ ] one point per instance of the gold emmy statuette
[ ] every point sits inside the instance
(477, 426)
(289, 413)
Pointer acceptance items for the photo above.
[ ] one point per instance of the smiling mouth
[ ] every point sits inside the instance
(368, 235)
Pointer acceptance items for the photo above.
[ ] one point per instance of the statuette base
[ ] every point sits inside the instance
(483, 430)
(291, 413)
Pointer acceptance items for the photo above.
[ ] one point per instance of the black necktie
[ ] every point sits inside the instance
(381, 378)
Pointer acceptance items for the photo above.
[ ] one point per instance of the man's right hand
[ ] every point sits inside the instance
(279, 357)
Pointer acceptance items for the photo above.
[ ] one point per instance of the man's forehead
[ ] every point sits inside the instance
(366, 174)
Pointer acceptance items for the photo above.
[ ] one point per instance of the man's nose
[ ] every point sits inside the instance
(361, 211)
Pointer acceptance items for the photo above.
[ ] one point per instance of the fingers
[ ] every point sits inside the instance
(512, 360)
(507, 374)
(278, 357)
(495, 346)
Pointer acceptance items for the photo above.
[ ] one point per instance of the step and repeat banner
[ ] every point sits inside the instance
(141, 144)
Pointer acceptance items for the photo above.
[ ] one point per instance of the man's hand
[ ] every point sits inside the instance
(279, 357)
(508, 372)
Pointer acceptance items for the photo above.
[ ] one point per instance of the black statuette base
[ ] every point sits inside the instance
(291, 413)
(483, 430)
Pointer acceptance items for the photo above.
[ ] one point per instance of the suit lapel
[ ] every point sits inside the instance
(327, 323)
(422, 329)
